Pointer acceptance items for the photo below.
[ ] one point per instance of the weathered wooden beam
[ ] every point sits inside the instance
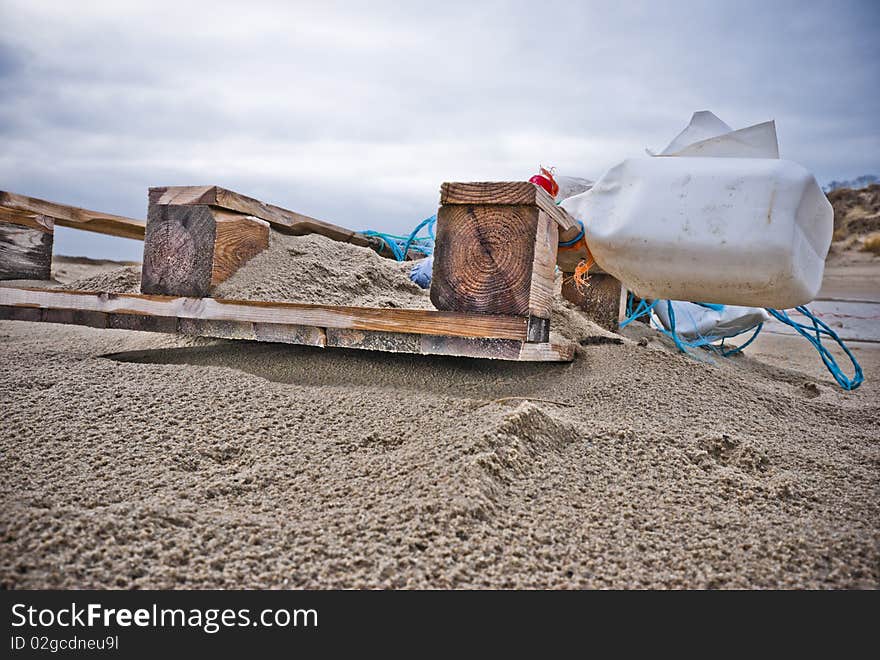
(188, 250)
(411, 321)
(281, 219)
(404, 331)
(513, 193)
(599, 298)
(77, 218)
(493, 349)
(283, 333)
(25, 246)
(495, 258)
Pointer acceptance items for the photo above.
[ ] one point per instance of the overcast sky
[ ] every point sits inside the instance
(356, 112)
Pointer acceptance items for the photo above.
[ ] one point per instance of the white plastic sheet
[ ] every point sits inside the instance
(708, 136)
(696, 323)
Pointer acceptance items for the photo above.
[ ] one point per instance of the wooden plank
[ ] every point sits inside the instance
(491, 349)
(77, 218)
(76, 317)
(26, 307)
(291, 333)
(550, 351)
(190, 249)
(543, 284)
(396, 342)
(24, 219)
(494, 349)
(21, 313)
(25, 246)
(514, 193)
(281, 219)
(411, 321)
(599, 299)
(283, 333)
(142, 323)
(494, 259)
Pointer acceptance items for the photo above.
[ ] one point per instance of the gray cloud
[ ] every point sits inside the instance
(355, 112)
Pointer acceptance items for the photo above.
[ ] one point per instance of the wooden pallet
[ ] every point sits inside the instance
(493, 284)
(397, 330)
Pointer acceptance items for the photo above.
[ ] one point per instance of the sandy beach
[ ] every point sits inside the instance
(136, 460)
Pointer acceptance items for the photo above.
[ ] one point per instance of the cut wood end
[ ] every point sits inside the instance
(505, 193)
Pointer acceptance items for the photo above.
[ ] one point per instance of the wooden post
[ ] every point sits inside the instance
(25, 246)
(495, 253)
(190, 249)
(599, 299)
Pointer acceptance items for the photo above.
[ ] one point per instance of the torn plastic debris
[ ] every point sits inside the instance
(709, 323)
(422, 271)
(708, 136)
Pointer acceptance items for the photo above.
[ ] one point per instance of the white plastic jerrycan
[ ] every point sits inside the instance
(734, 231)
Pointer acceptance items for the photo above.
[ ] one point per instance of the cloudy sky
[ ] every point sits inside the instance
(356, 112)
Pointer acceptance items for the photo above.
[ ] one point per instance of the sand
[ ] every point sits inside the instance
(133, 460)
(66, 270)
(314, 269)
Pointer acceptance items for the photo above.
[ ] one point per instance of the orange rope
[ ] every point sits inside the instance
(581, 275)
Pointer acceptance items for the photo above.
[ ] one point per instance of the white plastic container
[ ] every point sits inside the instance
(734, 231)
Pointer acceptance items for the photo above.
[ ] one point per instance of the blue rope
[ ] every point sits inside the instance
(388, 241)
(632, 314)
(813, 334)
(820, 329)
(401, 245)
(739, 349)
(430, 221)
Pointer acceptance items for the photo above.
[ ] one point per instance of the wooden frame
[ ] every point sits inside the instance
(495, 259)
(398, 330)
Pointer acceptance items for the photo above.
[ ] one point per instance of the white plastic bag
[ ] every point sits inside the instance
(707, 324)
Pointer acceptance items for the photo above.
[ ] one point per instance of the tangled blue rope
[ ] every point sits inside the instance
(812, 334)
(401, 245)
(821, 329)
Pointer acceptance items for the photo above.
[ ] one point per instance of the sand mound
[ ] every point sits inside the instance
(314, 269)
(120, 280)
